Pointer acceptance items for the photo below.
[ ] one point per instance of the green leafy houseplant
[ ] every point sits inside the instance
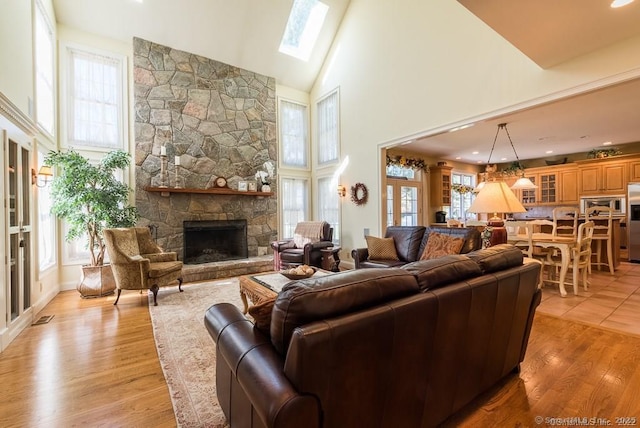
(90, 198)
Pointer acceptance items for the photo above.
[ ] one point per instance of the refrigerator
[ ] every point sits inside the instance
(633, 221)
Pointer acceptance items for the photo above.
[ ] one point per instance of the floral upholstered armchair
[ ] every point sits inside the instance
(138, 263)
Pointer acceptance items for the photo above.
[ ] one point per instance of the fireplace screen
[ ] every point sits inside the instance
(214, 241)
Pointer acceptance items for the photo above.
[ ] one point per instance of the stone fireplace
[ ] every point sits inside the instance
(213, 120)
(214, 241)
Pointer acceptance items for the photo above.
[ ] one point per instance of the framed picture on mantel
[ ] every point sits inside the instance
(242, 186)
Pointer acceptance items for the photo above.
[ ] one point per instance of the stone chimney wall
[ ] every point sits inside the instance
(219, 120)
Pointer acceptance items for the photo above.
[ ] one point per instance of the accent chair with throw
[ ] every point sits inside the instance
(309, 237)
(138, 263)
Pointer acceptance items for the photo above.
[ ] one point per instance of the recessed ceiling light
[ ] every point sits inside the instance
(607, 143)
(504, 159)
(475, 153)
(549, 151)
(458, 158)
(478, 161)
(620, 3)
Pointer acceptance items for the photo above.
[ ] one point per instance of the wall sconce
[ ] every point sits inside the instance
(45, 172)
(342, 191)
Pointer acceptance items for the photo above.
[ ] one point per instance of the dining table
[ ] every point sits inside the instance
(562, 243)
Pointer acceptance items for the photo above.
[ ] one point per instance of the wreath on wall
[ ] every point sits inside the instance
(359, 194)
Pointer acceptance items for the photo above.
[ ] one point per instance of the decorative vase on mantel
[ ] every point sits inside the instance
(265, 188)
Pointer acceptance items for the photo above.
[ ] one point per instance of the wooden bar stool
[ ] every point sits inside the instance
(602, 218)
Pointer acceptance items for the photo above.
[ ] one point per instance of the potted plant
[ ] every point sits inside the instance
(89, 198)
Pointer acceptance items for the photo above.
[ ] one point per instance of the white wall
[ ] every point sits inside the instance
(413, 67)
(16, 63)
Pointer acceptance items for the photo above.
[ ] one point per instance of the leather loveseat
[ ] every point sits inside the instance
(397, 347)
(410, 242)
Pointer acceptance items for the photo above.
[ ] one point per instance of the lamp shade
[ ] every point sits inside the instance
(45, 171)
(524, 183)
(496, 197)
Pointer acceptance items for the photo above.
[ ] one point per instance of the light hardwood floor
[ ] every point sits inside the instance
(95, 364)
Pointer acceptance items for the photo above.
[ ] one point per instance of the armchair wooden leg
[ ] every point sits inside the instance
(116, 302)
(154, 290)
(180, 285)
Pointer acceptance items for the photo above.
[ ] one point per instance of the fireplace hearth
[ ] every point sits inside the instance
(210, 241)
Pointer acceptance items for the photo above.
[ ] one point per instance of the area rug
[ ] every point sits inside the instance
(187, 352)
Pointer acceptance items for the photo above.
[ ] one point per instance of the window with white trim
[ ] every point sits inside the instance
(460, 202)
(329, 205)
(328, 129)
(94, 103)
(294, 193)
(44, 48)
(46, 225)
(294, 136)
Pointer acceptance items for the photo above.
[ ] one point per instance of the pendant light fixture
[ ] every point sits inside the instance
(490, 172)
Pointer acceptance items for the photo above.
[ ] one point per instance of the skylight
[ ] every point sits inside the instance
(303, 28)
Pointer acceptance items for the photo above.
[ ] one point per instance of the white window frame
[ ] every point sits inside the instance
(44, 73)
(305, 143)
(322, 131)
(326, 186)
(287, 225)
(68, 49)
(46, 223)
(466, 200)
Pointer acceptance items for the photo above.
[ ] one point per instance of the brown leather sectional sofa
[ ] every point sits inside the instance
(397, 347)
(410, 242)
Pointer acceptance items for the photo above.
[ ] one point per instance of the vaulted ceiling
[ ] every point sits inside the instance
(247, 33)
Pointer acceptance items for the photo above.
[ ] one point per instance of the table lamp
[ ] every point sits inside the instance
(495, 198)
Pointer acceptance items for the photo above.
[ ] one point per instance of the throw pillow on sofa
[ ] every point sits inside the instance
(381, 248)
(261, 314)
(440, 245)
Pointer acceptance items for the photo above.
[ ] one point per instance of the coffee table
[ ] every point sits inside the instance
(261, 287)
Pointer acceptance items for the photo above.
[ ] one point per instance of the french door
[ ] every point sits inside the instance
(18, 226)
(404, 207)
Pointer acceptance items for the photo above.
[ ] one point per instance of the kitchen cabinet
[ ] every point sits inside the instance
(602, 178)
(440, 186)
(547, 181)
(634, 171)
(568, 186)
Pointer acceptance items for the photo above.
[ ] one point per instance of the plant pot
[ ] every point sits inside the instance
(265, 188)
(96, 281)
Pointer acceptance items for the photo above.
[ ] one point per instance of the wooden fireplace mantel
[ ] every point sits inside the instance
(166, 191)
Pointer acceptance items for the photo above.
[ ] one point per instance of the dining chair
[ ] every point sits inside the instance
(565, 221)
(515, 231)
(602, 217)
(580, 258)
(540, 226)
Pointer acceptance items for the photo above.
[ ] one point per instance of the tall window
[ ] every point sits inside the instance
(46, 225)
(294, 138)
(460, 202)
(45, 104)
(95, 104)
(295, 201)
(328, 129)
(329, 205)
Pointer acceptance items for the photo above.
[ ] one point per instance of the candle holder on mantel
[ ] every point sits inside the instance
(164, 177)
(179, 181)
